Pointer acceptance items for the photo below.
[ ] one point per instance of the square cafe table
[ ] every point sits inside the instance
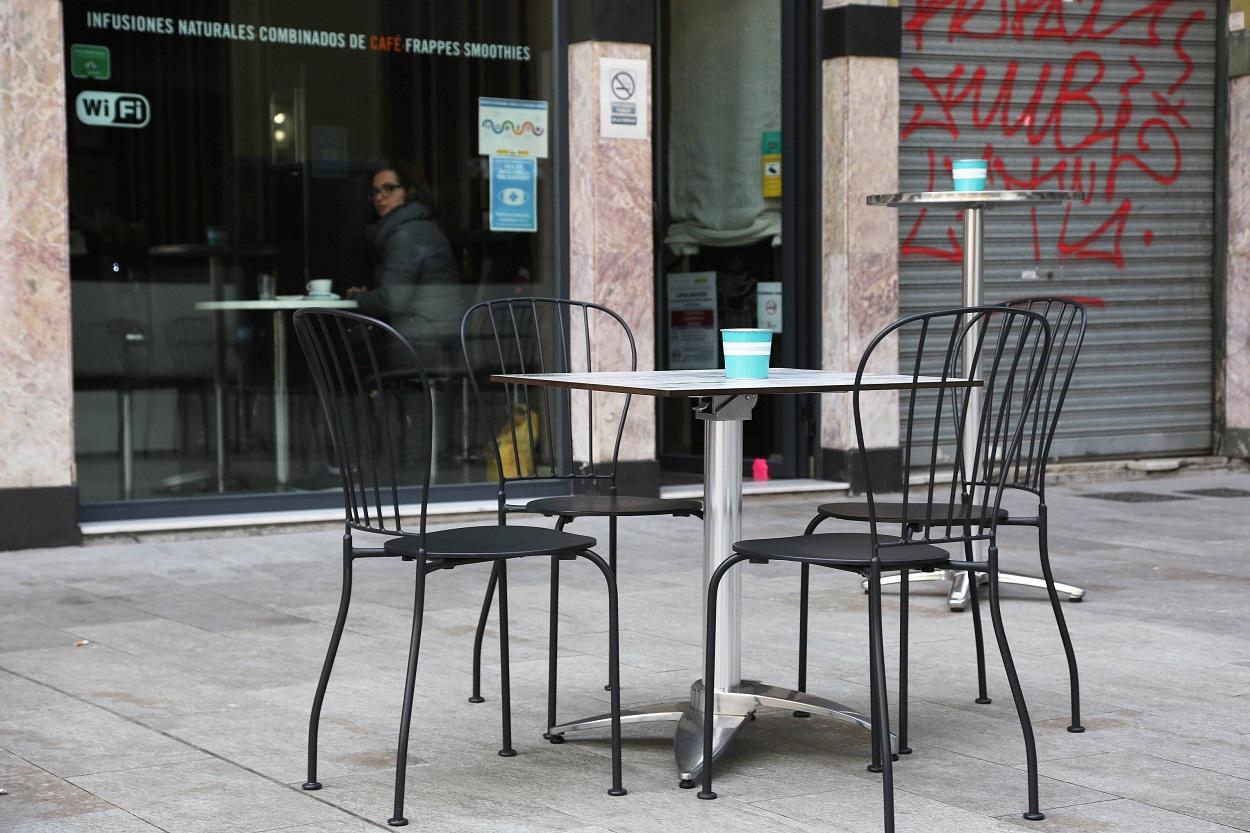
(723, 404)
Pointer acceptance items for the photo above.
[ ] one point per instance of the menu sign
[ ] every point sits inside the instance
(692, 333)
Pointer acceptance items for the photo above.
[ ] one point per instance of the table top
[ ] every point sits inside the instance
(969, 199)
(280, 303)
(666, 383)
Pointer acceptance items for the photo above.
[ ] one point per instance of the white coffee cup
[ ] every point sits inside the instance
(319, 286)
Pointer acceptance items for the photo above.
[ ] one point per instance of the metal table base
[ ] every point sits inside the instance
(734, 707)
(736, 699)
(957, 598)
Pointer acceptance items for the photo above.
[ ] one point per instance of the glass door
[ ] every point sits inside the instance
(724, 240)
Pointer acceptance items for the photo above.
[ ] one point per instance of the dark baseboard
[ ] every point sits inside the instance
(45, 516)
(863, 31)
(884, 466)
(1236, 443)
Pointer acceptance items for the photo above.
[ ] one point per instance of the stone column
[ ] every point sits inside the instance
(860, 251)
(611, 250)
(38, 501)
(1237, 292)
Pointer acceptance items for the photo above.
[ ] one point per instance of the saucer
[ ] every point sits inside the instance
(323, 296)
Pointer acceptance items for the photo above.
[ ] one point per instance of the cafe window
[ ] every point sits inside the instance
(229, 159)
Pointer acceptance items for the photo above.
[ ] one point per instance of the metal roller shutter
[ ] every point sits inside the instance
(1115, 98)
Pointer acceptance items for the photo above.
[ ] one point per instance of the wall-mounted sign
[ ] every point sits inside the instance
(513, 193)
(511, 127)
(770, 163)
(768, 305)
(692, 333)
(104, 109)
(622, 98)
(89, 61)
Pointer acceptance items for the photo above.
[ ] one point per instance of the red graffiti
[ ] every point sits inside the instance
(1059, 123)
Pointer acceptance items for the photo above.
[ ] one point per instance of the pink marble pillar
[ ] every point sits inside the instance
(1237, 308)
(860, 259)
(36, 411)
(611, 250)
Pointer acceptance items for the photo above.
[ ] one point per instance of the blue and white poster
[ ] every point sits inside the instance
(513, 193)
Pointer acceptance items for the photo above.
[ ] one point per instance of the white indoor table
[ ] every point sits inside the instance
(723, 405)
(974, 204)
(280, 307)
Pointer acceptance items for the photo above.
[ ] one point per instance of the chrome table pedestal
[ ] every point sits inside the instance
(974, 204)
(958, 596)
(736, 699)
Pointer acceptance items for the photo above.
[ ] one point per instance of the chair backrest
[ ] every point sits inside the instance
(542, 433)
(132, 343)
(189, 340)
(1009, 350)
(373, 391)
(1067, 319)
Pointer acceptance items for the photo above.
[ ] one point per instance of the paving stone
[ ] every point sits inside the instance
(1165, 784)
(1118, 816)
(208, 795)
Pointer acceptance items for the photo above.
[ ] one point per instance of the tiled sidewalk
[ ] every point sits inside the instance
(185, 706)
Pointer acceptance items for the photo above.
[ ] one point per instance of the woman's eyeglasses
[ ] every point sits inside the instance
(384, 190)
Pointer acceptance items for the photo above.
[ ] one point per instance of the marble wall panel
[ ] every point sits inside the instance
(36, 409)
(612, 258)
(860, 280)
(1237, 339)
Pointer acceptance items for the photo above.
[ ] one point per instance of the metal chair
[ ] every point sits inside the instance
(1067, 320)
(357, 363)
(547, 437)
(1008, 350)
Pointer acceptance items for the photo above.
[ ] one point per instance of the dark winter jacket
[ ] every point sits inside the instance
(411, 252)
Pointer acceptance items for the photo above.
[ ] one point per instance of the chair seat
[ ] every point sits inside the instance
(845, 550)
(916, 512)
(489, 542)
(587, 505)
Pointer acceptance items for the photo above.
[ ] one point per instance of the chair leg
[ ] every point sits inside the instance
(978, 637)
(612, 543)
(414, 649)
(1073, 678)
(480, 634)
(614, 668)
(874, 714)
(881, 718)
(314, 719)
(1017, 694)
(552, 643)
(903, 588)
(709, 672)
(804, 580)
(505, 689)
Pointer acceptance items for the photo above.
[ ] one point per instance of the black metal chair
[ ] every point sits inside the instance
(1009, 349)
(547, 437)
(1067, 320)
(359, 365)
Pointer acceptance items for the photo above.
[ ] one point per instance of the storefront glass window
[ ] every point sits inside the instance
(228, 155)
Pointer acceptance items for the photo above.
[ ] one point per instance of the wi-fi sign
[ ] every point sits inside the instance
(106, 109)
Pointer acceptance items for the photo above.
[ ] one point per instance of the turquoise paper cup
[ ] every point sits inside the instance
(968, 174)
(746, 353)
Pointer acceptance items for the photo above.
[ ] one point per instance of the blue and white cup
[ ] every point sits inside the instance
(968, 174)
(746, 352)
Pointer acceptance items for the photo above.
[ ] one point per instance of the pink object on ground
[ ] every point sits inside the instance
(759, 469)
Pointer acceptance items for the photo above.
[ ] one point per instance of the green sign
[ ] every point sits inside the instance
(88, 61)
(770, 143)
